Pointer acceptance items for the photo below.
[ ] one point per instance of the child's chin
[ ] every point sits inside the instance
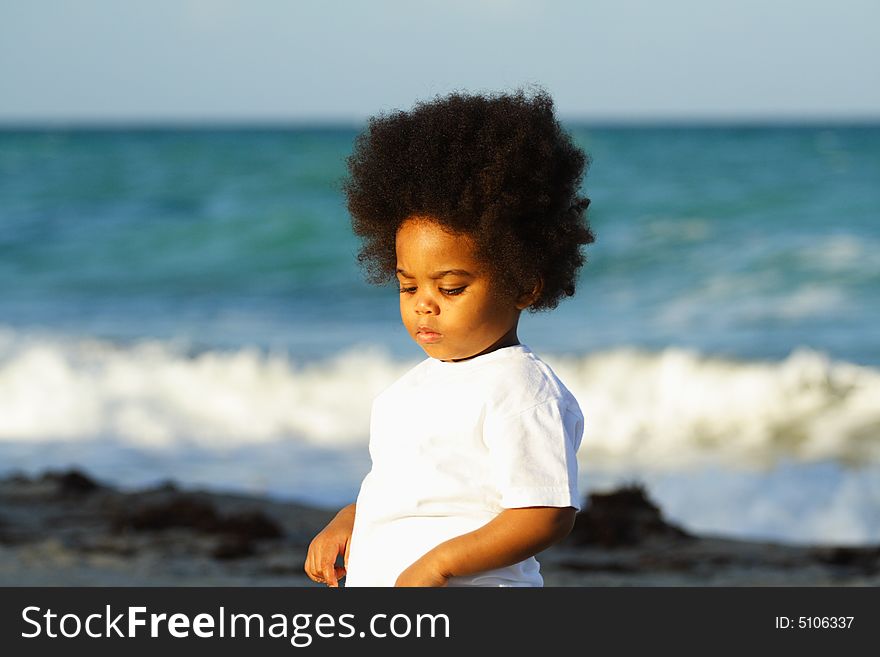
(436, 351)
(432, 351)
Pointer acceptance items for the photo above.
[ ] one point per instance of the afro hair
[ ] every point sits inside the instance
(498, 168)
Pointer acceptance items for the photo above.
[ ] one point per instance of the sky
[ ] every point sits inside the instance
(160, 61)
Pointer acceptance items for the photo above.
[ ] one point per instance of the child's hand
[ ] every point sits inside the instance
(325, 548)
(424, 572)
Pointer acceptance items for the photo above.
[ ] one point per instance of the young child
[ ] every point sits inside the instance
(472, 203)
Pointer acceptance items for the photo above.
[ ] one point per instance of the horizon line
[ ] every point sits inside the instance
(284, 123)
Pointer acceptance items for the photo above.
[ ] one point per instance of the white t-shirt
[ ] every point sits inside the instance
(452, 446)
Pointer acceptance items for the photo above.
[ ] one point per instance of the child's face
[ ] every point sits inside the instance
(448, 303)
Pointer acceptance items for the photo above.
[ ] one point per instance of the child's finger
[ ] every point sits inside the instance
(330, 575)
(313, 570)
(317, 574)
(311, 565)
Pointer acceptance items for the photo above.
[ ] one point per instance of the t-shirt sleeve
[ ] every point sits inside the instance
(533, 455)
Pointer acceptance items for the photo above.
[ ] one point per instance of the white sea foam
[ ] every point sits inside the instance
(677, 407)
(842, 253)
(154, 394)
(792, 502)
(667, 409)
(746, 301)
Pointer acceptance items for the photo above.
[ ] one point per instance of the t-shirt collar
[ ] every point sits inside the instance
(503, 352)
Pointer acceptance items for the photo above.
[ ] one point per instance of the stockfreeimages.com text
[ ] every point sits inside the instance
(301, 629)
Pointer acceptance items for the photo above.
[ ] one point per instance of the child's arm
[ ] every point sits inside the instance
(326, 547)
(514, 535)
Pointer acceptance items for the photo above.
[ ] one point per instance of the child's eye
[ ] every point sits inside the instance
(450, 292)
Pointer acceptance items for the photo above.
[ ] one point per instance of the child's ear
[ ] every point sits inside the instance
(526, 300)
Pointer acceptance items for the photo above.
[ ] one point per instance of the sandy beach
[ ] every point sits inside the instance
(67, 529)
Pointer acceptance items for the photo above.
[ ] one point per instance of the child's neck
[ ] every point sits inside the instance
(509, 339)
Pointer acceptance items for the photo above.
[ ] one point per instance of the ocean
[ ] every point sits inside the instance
(185, 303)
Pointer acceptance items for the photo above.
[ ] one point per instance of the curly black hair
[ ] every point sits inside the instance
(498, 168)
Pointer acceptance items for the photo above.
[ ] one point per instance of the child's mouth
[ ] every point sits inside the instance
(424, 335)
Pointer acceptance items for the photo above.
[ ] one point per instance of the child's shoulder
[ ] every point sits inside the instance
(525, 380)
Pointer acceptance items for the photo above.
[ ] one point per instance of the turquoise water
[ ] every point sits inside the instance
(181, 303)
(741, 241)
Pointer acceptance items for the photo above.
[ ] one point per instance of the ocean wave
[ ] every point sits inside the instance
(662, 409)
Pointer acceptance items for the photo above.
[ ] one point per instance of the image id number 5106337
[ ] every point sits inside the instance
(814, 622)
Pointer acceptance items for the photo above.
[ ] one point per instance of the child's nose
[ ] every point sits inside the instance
(426, 305)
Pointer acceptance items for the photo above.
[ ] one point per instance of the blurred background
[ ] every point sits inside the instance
(179, 296)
